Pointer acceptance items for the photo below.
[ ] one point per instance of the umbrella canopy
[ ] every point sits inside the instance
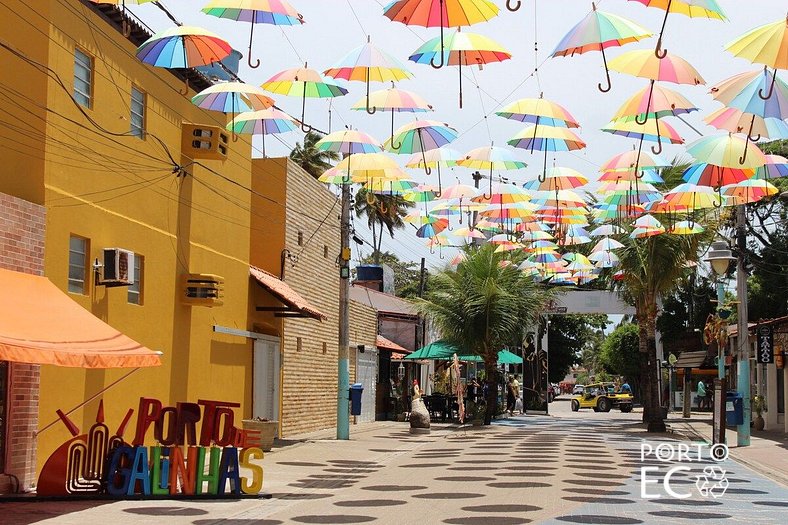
(644, 64)
(538, 111)
(751, 190)
(461, 49)
(183, 47)
(686, 228)
(725, 151)
(625, 162)
(715, 176)
(491, 158)
(691, 196)
(737, 121)
(263, 122)
(776, 166)
(435, 350)
(546, 138)
(743, 92)
(349, 141)
(558, 178)
(305, 83)
(394, 99)
(653, 130)
(597, 32)
(274, 12)
(767, 44)
(420, 136)
(232, 97)
(654, 101)
(434, 158)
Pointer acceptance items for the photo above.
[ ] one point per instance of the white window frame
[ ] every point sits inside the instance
(134, 294)
(138, 129)
(76, 285)
(83, 62)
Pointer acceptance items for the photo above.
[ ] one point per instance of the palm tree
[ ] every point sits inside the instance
(381, 211)
(483, 305)
(313, 160)
(653, 267)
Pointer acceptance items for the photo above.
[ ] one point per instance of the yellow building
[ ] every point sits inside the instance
(96, 137)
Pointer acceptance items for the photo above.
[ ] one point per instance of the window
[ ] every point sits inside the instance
(77, 264)
(83, 78)
(137, 117)
(135, 290)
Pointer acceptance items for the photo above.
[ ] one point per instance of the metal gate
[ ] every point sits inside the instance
(266, 378)
(367, 375)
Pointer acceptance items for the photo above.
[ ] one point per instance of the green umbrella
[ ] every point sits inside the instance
(470, 358)
(436, 350)
(505, 357)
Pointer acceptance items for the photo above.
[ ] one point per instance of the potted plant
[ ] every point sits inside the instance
(266, 428)
(759, 405)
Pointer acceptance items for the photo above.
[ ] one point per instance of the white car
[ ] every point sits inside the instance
(578, 390)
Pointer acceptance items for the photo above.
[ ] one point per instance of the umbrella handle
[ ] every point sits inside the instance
(185, 83)
(427, 170)
(440, 189)
(374, 109)
(443, 59)
(607, 74)
(543, 175)
(718, 203)
(306, 128)
(485, 196)
(656, 150)
(514, 7)
(125, 26)
(648, 106)
(771, 86)
(383, 208)
(658, 51)
(251, 35)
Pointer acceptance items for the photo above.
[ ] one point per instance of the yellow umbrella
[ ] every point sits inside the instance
(767, 44)
(654, 101)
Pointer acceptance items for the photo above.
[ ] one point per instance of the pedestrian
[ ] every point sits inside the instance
(510, 396)
(625, 388)
(701, 391)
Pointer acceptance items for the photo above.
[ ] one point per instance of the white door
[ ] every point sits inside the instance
(367, 375)
(266, 378)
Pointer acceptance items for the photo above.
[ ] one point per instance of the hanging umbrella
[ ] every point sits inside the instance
(652, 130)
(369, 63)
(604, 259)
(646, 226)
(305, 83)
(690, 8)
(460, 192)
(491, 158)
(606, 229)
(419, 137)
(440, 13)
(393, 100)
(737, 121)
(505, 194)
(654, 101)
(775, 166)
(264, 122)
(232, 97)
(723, 150)
(466, 231)
(183, 47)
(686, 228)
(349, 142)
(538, 111)
(557, 178)
(751, 190)
(768, 45)
(621, 167)
(607, 244)
(434, 159)
(546, 138)
(692, 196)
(363, 167)
(275, 12)
(431, 230)
(461, 49)
(642, 63)
(598, 31)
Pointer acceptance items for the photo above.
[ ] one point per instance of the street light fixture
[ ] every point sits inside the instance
(720, 257)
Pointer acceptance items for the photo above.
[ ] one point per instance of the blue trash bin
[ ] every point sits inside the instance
(356, 389)
(734, 409)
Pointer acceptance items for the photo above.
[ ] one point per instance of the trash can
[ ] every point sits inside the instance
(356, 389)
(734, 409)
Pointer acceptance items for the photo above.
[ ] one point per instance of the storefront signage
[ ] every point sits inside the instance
(198, 450)
(765, 350)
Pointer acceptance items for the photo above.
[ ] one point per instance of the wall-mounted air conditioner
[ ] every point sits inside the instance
(118, 267)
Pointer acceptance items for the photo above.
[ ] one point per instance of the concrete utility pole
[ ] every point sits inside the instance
(343, 371)
(743, 432)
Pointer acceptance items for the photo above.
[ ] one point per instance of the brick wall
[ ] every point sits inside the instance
(22, 226)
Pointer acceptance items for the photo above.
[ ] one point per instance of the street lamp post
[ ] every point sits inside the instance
(720, 258)
(743, 337)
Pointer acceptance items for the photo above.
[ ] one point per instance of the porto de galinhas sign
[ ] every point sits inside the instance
(198, 451)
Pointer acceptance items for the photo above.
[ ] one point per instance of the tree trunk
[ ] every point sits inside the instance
(490, 377)
(655, 421)
(375, 252)
(645, 386)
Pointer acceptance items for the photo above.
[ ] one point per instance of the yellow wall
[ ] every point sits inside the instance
(119, 191)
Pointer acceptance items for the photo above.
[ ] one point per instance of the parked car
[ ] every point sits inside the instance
(556, 389)
(601, 397)
(577, 390)
(552, 392)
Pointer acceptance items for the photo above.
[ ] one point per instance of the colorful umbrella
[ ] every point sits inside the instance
(654, 101)
(642, 63)
(305, 83)
(183, 47)
(714, 175)
(393, 100)
(461, 49)
(232, 97)
(434, 158)
(606, 229)
(491, 158)
(558, 178)
(646, 226)
(546, 138)
(622, 165)
(369, 63)
(690, 8)
(776, 166)
(419, 137)
(433, 229)
(264, 122)
(598, 31)
(722, 150)
(737, 121)
(691, 196)
(440, 13)
(768, 45)
(652, 130)
(686, 228)
(275, 12)
(604, 259)
(751, 190)
(538, 111)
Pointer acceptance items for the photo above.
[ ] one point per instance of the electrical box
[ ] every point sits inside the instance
(118, 267)
(199, 141)
(202, 289)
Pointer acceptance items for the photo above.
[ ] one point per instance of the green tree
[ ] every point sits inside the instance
(309, 157)
(685, 310)
(481, 306)
(407, 274)
(620, 354)
(383, 212)
(568, 336)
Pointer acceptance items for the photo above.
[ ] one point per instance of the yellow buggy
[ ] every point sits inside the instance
(601, 397)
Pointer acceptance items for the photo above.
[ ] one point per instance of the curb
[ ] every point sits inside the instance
(761, 469)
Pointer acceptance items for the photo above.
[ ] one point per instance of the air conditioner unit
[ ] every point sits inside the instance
(204, 142)
(202, 289)
(118, 267)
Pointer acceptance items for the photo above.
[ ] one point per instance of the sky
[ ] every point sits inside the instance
(335, 27)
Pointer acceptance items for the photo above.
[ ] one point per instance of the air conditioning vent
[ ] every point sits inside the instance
(118, 267)
(204, 142)
(200, 289)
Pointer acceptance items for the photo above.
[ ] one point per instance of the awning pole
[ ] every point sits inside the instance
(97, 394)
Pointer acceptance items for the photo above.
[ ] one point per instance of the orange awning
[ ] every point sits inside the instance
(40, 324)
(388, 344)
(295, 305)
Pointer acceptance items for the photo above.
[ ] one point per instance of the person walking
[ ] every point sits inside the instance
(701, 392)
(510, 396)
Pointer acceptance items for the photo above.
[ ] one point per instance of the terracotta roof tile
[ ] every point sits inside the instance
(388, 344)
(282, 291)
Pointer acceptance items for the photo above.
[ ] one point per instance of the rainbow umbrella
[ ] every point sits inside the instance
(364, 167)
(393, 100)
(737, 121)
(461, 49)
(419, 137)
(652, 130)
(460, 192)
(714, 175)
(768, 45)
(491, 158)
(606, 229)
(646, 226)
(468, 232)
(440, 13)
(183, 47)
(275, 12)
(686, 228)
(642, 63)
(546, 138)
(348, 142)
(654, 101)
(690, 8)
(232, 97)
(263, 122)
(722, 150)
(558, 178)
(305, 83)
(604, 259)
(538, 111)
(751, 190)
(598, 31)
(504, 194)
(621, 167)
(369, 63)
(386, 186)
(607, 244)
(433, 229)
(775, 166)
(434, 159)
(691, 196)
